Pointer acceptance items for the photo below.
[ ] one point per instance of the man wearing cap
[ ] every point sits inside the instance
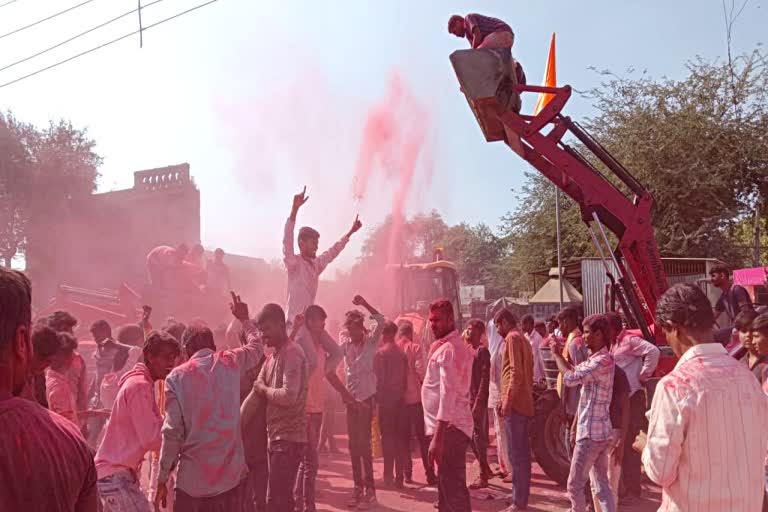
(304, 269)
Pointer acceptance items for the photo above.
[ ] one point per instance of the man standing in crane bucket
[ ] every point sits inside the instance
(483, 32)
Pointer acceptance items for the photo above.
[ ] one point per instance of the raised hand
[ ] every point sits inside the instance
(239, 308)
(146, 312)
(358, 300)
(355, 226)
(300, 199)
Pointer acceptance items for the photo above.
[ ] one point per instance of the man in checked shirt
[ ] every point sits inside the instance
(594, 431)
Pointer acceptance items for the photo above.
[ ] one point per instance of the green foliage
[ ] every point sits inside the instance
(39, 170)
(697, 144)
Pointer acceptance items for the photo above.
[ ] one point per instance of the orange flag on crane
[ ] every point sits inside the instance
(550, 78)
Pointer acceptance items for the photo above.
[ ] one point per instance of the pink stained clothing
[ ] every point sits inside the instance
(637, 357)
(162, 257)
(60, 395)
(110, 384)
(706, 434)
(304, 275)
(445, 392)
(46, 464)
(134, 426)
(78, 379)
(316, 392)
(416, 370)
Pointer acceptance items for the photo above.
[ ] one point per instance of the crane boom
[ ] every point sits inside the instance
(490, 86)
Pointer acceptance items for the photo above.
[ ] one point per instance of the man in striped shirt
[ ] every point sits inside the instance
(706, 434)
(483, 32)
(594, 431)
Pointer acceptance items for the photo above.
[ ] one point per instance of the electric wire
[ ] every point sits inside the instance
(81, 34)
(16, 31)
(108, 43)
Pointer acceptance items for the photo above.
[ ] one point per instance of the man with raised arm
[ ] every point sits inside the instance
(201, 432)
(304, 269)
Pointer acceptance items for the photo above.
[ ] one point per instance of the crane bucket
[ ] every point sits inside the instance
(488, 81)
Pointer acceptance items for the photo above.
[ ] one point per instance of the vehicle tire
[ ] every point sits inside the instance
(548, 431)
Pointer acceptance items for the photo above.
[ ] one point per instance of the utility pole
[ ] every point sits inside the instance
(559, 256)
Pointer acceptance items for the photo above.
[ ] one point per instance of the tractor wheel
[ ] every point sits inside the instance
(548, 433)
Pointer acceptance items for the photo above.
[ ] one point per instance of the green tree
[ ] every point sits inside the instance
(40, 171)
(698, 145)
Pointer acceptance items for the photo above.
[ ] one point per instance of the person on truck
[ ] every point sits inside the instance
(164, 264)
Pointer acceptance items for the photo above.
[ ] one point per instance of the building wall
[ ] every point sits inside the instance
(101, 241)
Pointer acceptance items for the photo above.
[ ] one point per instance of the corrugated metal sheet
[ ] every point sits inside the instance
(594, 280)
(593, 283)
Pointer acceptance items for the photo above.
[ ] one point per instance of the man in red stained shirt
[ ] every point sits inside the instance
(46, 463)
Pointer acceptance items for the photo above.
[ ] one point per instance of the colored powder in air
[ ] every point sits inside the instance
(393, 141)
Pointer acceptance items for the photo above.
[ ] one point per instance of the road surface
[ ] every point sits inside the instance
(334, 487)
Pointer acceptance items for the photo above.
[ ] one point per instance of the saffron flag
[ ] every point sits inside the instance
(550, 78)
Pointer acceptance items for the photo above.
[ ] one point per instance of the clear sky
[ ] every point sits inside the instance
(262, 97)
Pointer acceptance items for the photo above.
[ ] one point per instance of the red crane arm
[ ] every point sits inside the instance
(493, 96)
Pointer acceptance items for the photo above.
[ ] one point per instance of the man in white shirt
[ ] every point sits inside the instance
(638, 359)
(304, 269)
(706, 435)
(447, 414)
(535, 339)
(497, 345)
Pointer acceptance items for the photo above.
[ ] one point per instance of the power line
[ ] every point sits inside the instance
(8, 3)
(86, 52)
(44, 19)
(81, 34)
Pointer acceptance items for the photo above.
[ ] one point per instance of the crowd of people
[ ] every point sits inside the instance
(170, 420)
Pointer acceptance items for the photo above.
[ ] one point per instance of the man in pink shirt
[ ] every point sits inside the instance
(134, 427)
(304, 269)
(61, 396)
(46, 464)
(447, 414)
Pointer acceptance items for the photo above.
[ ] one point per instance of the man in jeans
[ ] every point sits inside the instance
(516, 407)
(594, 431)
(391, 368)
(314, 339)
(359, 352)
(478, 399)
(447, 416)
(413, 410)
(283, 383)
